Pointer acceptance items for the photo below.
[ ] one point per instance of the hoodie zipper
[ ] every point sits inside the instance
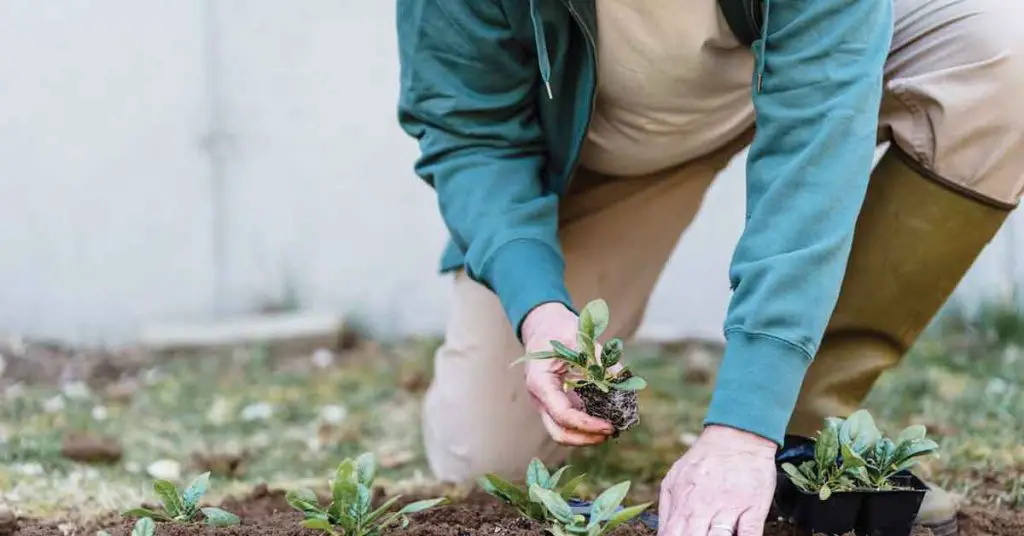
(593, 91)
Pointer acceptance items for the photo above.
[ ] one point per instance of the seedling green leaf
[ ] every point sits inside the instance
(144, 527)
(181, 508)
(349, 510)
(219, 518)
(553, 503)
(536, 473)
(606, 503)
(195, 491)
(168, 496)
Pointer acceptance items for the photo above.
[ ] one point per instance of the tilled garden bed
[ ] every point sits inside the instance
(266, 512)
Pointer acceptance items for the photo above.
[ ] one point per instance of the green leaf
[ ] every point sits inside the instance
(825, 492)
(586, 349)
(168, 496)
(569, 488)
(144, 527)
(634, 383)
(532, 356)
(195, 491)
(595, 373)
(552, 482)
(346, 482)
(420, 506)
(611, 354)
(215, 517)
(537, 474)
(366, 468)
(318, 524)
(826, 448)
(798, 479)
(860, 432)
(594, 318)
(912, 433)
(553, 503)
(625, 515)
(605, 504)
(381, 510)
(304, 500)
(145, 512)
(851, 459)
(565, 352)
(505, 490)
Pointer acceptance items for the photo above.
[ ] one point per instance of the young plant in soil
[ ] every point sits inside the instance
(520, 498)
(349, 511)
(184, 507)
(852, 455)
(605, 514)
(606, 394)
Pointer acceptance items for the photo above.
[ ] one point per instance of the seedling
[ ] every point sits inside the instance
(852, 455)
(592, 368)
(184, 507)
(349, 511)
(520, 498)
(608, 392)
(605, 514)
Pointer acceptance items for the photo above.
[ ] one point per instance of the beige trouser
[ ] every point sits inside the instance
(954, 108)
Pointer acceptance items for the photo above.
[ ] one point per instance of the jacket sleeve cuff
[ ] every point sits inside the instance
(758, 385)
(524, 274)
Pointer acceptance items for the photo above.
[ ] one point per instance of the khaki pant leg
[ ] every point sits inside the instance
(954, 110)
(616, 235)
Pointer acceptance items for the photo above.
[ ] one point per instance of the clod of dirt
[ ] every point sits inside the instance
(8, 521)
(620, 408)
(88, 447)
(227, 465)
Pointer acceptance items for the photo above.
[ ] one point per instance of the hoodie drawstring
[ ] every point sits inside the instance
(543, 60)
(764, 41)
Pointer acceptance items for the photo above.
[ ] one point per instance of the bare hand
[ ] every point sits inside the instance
(560, 411)
(722, 487)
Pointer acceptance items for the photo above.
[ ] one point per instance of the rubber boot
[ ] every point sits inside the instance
(914, 241)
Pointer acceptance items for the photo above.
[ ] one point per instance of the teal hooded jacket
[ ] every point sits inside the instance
(499, 95)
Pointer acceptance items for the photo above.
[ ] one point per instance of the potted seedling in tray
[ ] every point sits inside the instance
(858, 480)
(608, 391)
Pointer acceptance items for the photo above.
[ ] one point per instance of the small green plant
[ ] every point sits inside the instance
(184, 507)
(851, 454)
(592, 368)
(520, 498)
(605, 514)
(350, 507)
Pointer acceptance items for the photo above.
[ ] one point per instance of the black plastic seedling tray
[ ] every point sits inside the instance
(867, 513)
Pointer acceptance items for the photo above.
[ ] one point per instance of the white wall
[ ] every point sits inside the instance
(137, 135)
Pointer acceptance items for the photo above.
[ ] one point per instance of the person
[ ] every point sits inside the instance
(570, 143)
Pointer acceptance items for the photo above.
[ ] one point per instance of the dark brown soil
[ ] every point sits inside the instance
(266, 512)
(620, 408)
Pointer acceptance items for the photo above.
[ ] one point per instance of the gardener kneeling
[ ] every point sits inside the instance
(570, 143)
